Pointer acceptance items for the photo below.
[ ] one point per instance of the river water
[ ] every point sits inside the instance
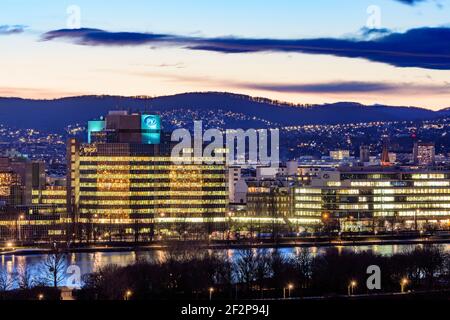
(83, 263)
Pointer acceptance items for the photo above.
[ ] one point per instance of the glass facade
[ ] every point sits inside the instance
(125, 190)
(377, 201)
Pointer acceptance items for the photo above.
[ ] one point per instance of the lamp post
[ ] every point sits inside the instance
(230, 214)
(289, 287)
(211, 290)
(403, 284)
(351, 286)
(19, 228)
(416, 213)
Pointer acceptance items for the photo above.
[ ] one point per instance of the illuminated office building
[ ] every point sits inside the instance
(10, 188)
(339, 154)
(124, 185)
(375, 198)
(268, 207)
(27, 211)
(424, 153)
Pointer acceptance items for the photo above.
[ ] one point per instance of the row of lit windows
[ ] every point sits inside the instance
(150, 176)
(151, 167)
(347, 191)
(307, 213)
(153, 193)
(49, 201)
(411, 205)
(429, 198)
(308, 205)
(150, 210)
(148, 184)
(308, 191)
(151, 202)
(370, 183)
(308, 198)
(379, 191)
(428, 176)
(28, 222)
(431, 183)
(175, 160)
(411, 191)
(49, 192)
(353, 207)
(412, 214)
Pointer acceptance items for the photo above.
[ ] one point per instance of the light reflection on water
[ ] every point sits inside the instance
(90, 262)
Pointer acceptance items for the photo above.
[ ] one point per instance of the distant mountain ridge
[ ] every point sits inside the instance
(58, 113)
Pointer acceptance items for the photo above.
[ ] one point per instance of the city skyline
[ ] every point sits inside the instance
(389, 52)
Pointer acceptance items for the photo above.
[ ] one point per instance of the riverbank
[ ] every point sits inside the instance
(355, 240)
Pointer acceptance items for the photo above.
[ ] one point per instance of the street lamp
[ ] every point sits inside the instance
(128, 294)
(40, 296)
(416, 213)
(403, 283)
(21, 217)
(211, 290)
(351, 286)
(289, 287)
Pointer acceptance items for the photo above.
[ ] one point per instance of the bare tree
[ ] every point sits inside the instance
(262, 269)
(54, 268)
(302, 262)
(25, 278)
(6, 281)
(245, 267)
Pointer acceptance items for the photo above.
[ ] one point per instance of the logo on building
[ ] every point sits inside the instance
(151, 122)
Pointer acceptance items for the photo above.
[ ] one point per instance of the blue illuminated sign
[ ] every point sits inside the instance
(151, 129)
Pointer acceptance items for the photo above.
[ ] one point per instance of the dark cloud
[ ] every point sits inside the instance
(352, 87)
(87, 36)
(7, 29)
(422, 47)
(410, 2)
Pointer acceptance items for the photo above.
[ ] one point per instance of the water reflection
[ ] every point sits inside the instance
(91, 262)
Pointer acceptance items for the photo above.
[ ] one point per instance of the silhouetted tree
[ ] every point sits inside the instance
(54, 268)
(6, 281)
(25, 278)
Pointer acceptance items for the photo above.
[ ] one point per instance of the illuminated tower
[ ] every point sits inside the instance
(385, 153)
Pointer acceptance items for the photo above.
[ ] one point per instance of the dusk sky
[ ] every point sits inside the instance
(371, 51)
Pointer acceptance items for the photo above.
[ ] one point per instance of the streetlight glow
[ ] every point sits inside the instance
(211, 290)
(128, 294)
(403, 284)
(351, 286)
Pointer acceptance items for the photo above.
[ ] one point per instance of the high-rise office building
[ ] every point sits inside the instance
(125, 185)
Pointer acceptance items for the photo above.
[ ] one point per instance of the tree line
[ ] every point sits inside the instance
(267, 273)
(249, 273)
